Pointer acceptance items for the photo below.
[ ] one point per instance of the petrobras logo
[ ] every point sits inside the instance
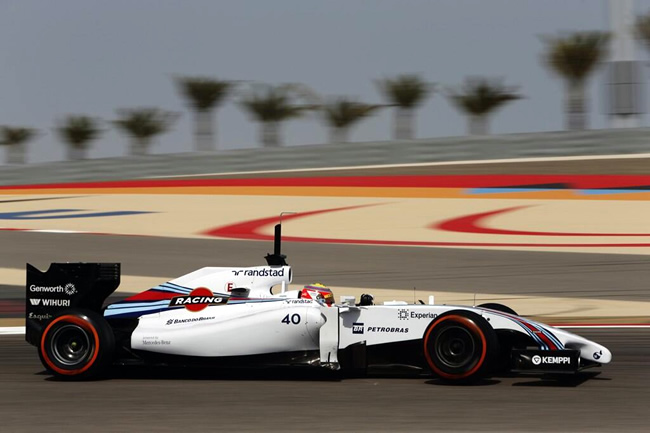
(69, 289)
(198, 299)
(537, 360)
(357, 328)
(387, 330)
(50, 302)
(264, 272)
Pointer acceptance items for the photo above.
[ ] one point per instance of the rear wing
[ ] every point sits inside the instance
(64, 286)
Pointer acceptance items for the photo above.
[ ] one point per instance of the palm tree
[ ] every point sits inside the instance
(142, 124)
(77, 132)
(478, 98)
(204, 95)
(271, 106)
(15, 139)
(405, 92)
(574, 57)
(642, 28)
(342, 113)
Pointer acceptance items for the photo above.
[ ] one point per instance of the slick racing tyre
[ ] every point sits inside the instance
(77, 344)
(460, 346)
(498, 307)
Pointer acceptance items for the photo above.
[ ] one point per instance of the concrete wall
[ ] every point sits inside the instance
(599, 142)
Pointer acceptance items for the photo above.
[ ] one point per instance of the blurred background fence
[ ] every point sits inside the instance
(551, 144)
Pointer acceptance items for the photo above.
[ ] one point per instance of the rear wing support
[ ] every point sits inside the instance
(64, 286)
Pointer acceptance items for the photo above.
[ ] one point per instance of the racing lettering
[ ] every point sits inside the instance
(184, 300)
(198, 299)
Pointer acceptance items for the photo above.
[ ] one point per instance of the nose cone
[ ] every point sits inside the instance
(602, 355)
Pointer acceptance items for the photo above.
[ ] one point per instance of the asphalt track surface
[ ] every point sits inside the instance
(613, 398)
(616, 399)
(605, 276)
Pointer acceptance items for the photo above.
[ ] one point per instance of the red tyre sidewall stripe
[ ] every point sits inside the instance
(472, 327)
(83, 324)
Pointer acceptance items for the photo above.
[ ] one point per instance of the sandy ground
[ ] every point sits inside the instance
(559, 225)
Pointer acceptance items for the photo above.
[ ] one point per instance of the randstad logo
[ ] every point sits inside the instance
(265, 272)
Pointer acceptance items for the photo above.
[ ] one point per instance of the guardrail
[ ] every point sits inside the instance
(595, 142)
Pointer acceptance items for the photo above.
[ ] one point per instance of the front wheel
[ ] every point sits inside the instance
(498, 307)
(77, 344)
(460, 346)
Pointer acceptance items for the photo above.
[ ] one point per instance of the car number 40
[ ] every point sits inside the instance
(291, 319)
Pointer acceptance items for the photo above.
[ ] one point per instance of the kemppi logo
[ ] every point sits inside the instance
(537, 360)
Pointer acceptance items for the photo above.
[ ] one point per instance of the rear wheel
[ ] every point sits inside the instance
(460, 346)
(77, 344)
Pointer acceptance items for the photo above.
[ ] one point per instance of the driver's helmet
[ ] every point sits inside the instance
(318, 292)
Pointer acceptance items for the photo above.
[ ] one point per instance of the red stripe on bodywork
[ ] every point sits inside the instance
(535, 329)
(152, 295)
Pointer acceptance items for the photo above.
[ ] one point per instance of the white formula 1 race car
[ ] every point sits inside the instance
(246, 318)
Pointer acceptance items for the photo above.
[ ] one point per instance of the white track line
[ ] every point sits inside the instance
(12, 330)
(416, 164)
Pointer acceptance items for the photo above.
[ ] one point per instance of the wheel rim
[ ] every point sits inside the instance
(70, 345)
(456, 347)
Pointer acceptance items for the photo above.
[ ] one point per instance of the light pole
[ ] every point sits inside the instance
(624, 88)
